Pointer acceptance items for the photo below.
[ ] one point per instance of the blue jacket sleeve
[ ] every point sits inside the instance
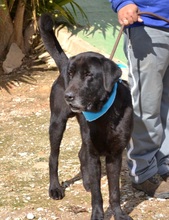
(118, 4)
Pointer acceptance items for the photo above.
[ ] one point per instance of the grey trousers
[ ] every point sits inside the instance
(147, 51)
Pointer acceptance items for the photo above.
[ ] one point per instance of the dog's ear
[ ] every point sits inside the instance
(111, 74)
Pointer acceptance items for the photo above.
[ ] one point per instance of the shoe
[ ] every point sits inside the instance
(165, 176)
(153, 187)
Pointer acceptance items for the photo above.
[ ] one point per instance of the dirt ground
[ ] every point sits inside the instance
(24, 152)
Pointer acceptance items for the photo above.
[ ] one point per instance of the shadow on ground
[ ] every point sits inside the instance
(100, 16)
(103, 27)
(23, 74)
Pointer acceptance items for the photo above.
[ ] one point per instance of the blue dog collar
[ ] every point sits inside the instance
(92, 116)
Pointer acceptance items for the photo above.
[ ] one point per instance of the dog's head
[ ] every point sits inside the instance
(90, 79)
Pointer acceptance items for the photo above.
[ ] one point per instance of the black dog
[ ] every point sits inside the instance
(85, 86)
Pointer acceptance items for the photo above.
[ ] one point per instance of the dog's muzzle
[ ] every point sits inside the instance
(73, 102)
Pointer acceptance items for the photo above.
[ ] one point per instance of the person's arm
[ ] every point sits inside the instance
(127, 11)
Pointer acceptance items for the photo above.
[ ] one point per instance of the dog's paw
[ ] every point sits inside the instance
(57, 193)
(97, 212)
(122, 217)
(97, 216)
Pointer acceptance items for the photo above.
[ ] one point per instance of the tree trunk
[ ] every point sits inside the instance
(18, 25)
(6, 29)
(30, 28)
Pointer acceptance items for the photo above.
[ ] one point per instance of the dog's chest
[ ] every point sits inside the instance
(102, 137)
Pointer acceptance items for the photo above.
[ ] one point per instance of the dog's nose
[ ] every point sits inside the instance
(69, 96)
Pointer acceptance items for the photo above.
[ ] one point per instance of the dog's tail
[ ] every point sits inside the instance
(51, 43)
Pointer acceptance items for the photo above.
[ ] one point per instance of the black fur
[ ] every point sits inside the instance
(84, 84)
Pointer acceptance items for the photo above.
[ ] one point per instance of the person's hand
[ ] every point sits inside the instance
(129, 14)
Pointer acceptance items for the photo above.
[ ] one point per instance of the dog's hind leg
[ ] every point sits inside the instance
(84, 151)
(84, 168)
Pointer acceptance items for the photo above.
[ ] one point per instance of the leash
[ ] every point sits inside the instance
(122, 28)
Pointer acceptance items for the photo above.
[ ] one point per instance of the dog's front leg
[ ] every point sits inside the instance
(95, 181)
(113, 168)
(56, 130)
